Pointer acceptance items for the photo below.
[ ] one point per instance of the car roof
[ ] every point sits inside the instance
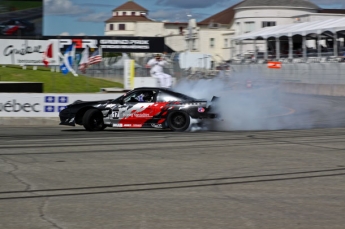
(152, 88)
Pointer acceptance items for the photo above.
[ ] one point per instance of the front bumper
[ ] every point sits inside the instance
(67, 118)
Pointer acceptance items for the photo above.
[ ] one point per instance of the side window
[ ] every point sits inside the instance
(146, 96)
(165, 97)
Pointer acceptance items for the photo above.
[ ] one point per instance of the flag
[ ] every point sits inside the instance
(96, 57)
(48, 54)
(84, 61)
(68, 58)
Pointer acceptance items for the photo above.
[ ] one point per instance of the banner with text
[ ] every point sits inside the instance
(113, 44)
(28, 52)
(43, 105)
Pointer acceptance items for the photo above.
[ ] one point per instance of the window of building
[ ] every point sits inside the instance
(133, 13)
(249, 26)
(111, 27)
(181, 30)
(115, 14)
(122, 26)
(124, 13)
(238, 28)
(211, 42)
(268, 24)
(226, 43)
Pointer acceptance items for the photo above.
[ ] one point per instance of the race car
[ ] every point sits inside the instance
(140, 108)
(14, 27)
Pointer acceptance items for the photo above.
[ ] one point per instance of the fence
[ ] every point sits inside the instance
(111, 68)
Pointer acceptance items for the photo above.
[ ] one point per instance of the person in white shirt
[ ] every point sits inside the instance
(157, 64)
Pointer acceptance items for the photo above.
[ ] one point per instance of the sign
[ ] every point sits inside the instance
(42, 105)
(274, 64)
(128, 74)
(113, 44)
(27, 52)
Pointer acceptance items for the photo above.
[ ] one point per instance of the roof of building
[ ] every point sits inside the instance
(130, 5)
(224, 17)
(332, 11)
(128, 19)
(283, 3)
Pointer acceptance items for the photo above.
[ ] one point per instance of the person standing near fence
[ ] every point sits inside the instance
(157, 64)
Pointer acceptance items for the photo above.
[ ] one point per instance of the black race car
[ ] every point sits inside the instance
(140, 108)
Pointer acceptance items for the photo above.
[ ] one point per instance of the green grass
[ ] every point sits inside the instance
(55, 82)
(22, 5)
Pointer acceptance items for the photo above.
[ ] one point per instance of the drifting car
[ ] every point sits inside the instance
(14, 27)
(140, 108)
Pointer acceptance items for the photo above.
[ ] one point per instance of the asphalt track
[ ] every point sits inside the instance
(62, 177)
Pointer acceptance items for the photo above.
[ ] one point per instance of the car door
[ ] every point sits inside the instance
(133, 113)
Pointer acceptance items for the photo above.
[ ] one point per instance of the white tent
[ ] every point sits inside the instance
(304, 28)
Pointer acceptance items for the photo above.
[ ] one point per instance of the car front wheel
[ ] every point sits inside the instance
(93, 120)
(178, 121)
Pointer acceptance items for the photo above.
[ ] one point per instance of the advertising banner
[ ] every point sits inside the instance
(114, 44)
(43, 105)
(28, 52)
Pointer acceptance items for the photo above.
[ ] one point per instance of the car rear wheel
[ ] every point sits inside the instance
(178, 121)
(93, 120)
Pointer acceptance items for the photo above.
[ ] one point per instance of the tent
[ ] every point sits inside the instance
(304, 28)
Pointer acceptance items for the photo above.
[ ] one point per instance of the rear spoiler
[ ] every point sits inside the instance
(214, 98)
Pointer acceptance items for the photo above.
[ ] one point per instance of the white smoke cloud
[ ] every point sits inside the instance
(240, 107)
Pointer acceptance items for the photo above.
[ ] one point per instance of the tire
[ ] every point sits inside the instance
(178, 121)
(93, 120)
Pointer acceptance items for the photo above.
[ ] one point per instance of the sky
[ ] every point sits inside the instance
(86, 17)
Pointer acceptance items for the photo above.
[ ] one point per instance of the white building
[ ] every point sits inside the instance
(215, 34)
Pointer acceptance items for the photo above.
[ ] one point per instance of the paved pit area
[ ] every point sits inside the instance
(61, 177)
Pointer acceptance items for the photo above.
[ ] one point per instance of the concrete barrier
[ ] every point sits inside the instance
(314, 89)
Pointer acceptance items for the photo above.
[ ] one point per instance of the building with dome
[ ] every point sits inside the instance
(215, 35)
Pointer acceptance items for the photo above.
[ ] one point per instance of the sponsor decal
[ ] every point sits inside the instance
(23, 50)
(125, 44)
(14, 106)
(142, 115)
(49, 108)
(127, 125)
(50, 101)
(79, 43)
(201, 109)
(115, 114)
(137, 125)
(63, 99)
(157, 126)
(60, 108)
(117, 125)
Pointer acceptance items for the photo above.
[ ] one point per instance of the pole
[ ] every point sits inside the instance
(318, 45)
(266, 49)
(277, 48)
(304, 48)
(335, 44)
(290, 48)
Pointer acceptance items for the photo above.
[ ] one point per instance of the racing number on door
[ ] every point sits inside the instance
(115, 114)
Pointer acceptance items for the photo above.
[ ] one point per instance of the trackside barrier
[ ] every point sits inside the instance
(25, 105)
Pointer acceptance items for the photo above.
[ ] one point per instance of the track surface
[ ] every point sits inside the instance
(68, 178)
